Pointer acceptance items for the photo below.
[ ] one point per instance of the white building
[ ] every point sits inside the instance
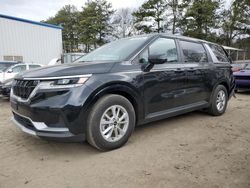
(29, 41)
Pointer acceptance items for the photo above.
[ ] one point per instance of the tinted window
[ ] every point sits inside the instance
(162, 47)
(19, 68)
(193, 52)
(219, 53)
(34, 66)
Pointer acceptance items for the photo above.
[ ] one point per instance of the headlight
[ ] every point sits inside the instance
(70, 81)
(64, 83)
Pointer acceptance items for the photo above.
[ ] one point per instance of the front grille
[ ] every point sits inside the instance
(23, 88)
(23, 121)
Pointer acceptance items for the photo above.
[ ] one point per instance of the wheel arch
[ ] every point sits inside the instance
(118, 88)
(225, 84)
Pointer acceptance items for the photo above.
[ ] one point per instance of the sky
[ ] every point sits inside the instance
(38, 10)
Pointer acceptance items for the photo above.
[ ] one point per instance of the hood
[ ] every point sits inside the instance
(242, 73)
(68, 70)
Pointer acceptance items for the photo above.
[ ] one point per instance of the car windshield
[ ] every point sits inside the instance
(4, 66)
(119, 50)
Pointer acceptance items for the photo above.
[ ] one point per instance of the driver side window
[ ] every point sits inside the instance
(161, 47)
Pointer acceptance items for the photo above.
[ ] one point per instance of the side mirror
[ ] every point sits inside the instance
(152, 60)
(157, 59)
(10, 71)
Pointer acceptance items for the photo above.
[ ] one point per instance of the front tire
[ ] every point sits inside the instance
(110, 123)
(218, 101)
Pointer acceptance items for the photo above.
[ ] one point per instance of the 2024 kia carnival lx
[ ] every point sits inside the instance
(128, 82)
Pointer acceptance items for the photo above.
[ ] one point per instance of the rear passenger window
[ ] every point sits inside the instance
(219, 53)
(34, 66)
(193, 52)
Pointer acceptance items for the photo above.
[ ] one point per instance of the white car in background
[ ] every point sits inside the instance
(12, 71)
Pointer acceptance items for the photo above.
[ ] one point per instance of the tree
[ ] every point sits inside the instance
(244, 44)
(86, 21)
(176, 8)
(149, 16)
(123, 23)
(235, 21)
(94, 23)
(200, 18)
(67, 17)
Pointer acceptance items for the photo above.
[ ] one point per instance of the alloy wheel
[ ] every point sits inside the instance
(114, 123)
(221, 100)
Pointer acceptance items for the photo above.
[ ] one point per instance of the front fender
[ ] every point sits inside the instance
(134, 95)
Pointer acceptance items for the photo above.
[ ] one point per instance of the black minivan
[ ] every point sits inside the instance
(128, 82)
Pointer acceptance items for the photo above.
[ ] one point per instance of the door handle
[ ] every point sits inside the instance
(178, 70)
(191, 70)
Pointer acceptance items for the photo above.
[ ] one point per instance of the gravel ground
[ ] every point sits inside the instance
(192, 150)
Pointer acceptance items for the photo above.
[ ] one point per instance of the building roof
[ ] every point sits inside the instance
(231, 48)
(30, 21)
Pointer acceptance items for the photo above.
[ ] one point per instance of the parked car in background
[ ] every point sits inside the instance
(12, 71)
(238, 66)
(128, 82)
(6, 64)
(66, 58)
(71, 57)
(242, 79)
(6, 85)
(55, 61)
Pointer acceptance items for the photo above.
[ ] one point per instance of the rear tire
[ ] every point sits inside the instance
(218, 101)
(111, 122)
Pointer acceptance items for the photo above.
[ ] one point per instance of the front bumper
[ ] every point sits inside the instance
(54, 115)
(40, 129)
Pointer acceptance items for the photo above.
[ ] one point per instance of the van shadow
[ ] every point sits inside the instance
(83, 149)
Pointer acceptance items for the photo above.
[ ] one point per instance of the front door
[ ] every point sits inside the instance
(164, 84)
